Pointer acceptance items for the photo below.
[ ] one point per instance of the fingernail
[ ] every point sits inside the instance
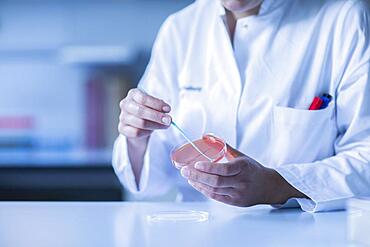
(166, 120)
(199, 165)
(166, 108)
(185, 172)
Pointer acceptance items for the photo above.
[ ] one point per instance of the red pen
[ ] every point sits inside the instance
(316, 104)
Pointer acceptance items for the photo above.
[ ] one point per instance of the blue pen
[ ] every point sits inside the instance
(326, 98)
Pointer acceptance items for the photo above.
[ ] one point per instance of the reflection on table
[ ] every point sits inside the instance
(125, 224)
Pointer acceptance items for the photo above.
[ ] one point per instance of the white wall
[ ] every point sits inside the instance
(27, 24)
(32, 82)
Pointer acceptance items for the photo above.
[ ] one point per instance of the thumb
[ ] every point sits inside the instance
(232, 153)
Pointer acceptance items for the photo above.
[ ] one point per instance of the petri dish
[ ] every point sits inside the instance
(212, 146)
(178, 216)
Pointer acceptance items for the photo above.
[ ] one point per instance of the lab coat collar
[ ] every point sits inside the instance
(265, 6)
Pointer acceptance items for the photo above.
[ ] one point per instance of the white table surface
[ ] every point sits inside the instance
(124, 224)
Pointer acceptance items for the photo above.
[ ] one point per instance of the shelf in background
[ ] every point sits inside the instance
(43, 158)
(73, 55)
(85, 55)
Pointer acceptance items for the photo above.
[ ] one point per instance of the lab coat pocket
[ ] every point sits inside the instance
(302, 135)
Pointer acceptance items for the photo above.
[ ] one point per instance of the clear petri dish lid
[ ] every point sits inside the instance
(178, 216)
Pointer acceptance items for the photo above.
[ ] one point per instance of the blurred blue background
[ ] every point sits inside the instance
(64, 67)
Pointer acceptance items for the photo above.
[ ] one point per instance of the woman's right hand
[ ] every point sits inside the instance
(141, 114)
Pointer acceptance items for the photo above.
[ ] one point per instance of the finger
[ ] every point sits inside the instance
(228, 191)
(132, 132)
(232, 153)
(218, 197)
(222, 169)
(140, 123)
(205, 178)
(145, 99)
(146, 113)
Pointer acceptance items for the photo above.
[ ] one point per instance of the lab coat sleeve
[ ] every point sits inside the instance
(159, 81)
(329, 182)
(122, 165)
(154, 180)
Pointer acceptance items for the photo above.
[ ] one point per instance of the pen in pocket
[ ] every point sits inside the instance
(322, 102)
(326, 98)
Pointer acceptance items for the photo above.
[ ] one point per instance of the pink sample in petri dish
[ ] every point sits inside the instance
(213, 147)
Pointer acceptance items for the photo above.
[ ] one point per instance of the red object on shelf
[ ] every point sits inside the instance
(316, 104)
(95, 114)
(7, 122)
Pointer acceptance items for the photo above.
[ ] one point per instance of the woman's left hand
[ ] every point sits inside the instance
(241, 182)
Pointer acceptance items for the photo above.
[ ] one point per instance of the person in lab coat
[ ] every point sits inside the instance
(247, 71)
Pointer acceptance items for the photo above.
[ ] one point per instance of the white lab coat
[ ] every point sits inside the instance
(295, 50)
